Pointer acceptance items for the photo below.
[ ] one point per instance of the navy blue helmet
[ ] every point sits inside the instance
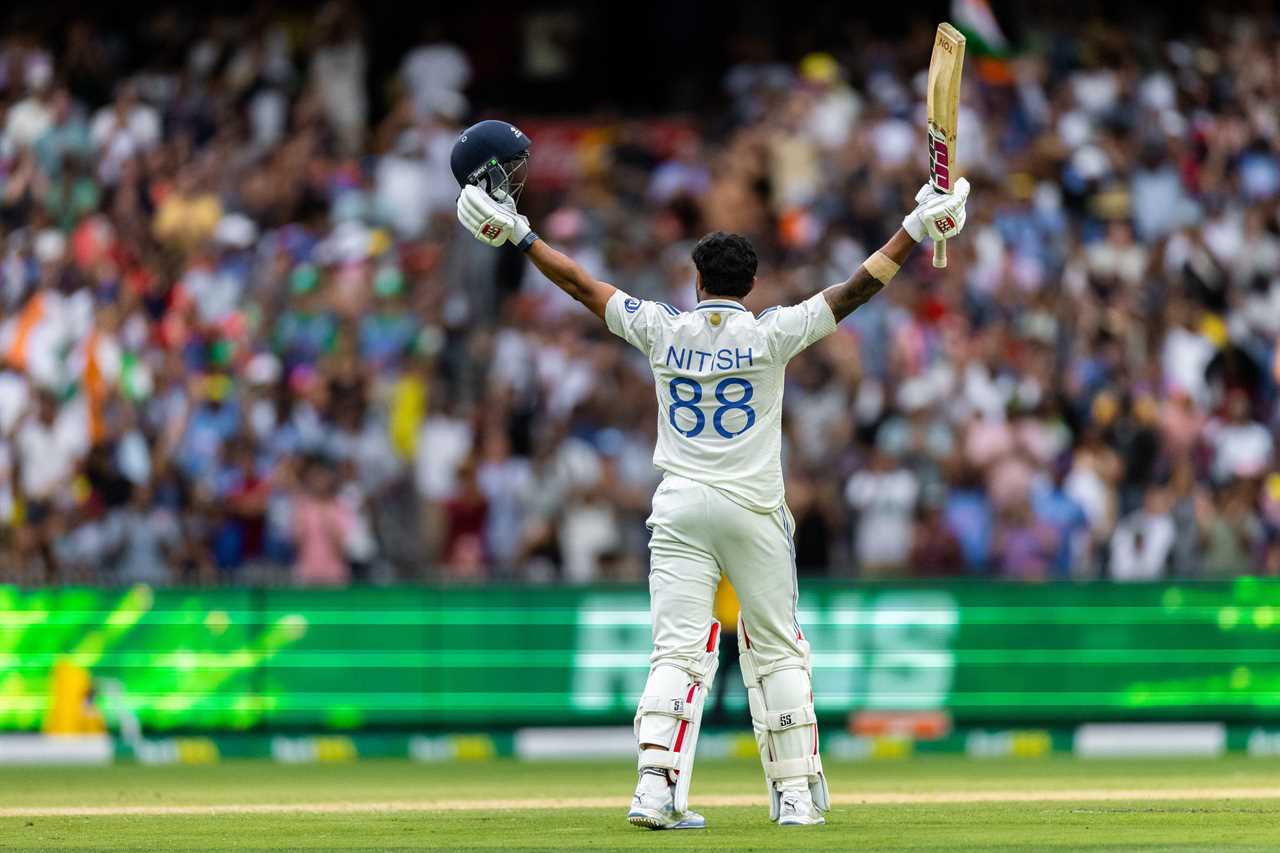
(493, 155)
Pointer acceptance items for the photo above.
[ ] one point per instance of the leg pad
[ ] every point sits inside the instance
(670, 713)
(787, 738)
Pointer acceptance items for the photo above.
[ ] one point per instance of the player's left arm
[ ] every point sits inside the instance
(495, 223)
(848, 296)
(936, 216)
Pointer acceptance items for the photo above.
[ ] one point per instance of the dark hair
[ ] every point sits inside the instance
(727, 264)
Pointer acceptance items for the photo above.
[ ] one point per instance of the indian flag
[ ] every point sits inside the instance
(982, 33)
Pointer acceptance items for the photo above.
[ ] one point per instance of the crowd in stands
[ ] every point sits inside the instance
(244, 340)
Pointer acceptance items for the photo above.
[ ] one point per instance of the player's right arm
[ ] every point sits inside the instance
(495, 223)
(937, 216)
(568, 275)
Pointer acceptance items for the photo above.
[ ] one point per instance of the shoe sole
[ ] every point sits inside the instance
(648, 820)
(645, 821)
(819, 822)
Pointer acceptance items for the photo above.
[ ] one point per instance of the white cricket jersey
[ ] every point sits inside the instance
(718, 372)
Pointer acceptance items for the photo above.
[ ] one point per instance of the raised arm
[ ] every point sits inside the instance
(568, 275)
(871, 277)
(495, 223)
(937, 216)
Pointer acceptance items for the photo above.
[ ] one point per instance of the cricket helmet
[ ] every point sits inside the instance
(492, 155)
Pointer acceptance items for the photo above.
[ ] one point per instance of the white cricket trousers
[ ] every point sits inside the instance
(696, 533)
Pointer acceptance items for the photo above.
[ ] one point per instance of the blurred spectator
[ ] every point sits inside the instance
(466, 520)
(436, 73)
(242, 338)
(122, 130)
(1054, 506)
(1024, 545)
(322, 525)
(816, 513)
(1242, 448)
(338, 73)
(884, 496)
(1232, 531)
(151, 542)
(970, 519)
(1143, 541)
(935, 550)
(32, 117)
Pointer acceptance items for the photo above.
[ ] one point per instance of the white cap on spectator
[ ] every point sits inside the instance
(1091, 162)
(50, 246)
(236, 230)
(262, 369)
(39, 73)
(915, 393)
(447, 103)
(348, 243)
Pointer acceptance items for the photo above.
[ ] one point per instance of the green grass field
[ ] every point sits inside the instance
(925, 803)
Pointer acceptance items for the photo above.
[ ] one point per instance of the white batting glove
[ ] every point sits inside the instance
(938, 216)
(493, 222)
(488, 221)
(521, 232)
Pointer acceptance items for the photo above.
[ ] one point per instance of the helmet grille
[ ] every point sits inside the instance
(503, 180)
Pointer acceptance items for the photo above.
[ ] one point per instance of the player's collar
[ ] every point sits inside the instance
(720, 305)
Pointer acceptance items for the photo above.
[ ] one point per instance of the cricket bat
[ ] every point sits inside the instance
(945, 67)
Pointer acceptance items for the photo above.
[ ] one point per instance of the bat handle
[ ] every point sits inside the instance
(940, 253)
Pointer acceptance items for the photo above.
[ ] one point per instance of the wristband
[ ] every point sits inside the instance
(881, 267)
(527, 243)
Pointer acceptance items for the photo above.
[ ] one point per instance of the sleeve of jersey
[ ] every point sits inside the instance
(796, 327)
(633, 320)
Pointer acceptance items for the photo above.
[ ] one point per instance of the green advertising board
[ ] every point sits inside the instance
(496, 656)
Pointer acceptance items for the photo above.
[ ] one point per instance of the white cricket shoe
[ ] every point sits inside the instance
(653, 807)
(797, 809)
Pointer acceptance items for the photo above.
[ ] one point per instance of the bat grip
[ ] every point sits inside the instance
(940, 253)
